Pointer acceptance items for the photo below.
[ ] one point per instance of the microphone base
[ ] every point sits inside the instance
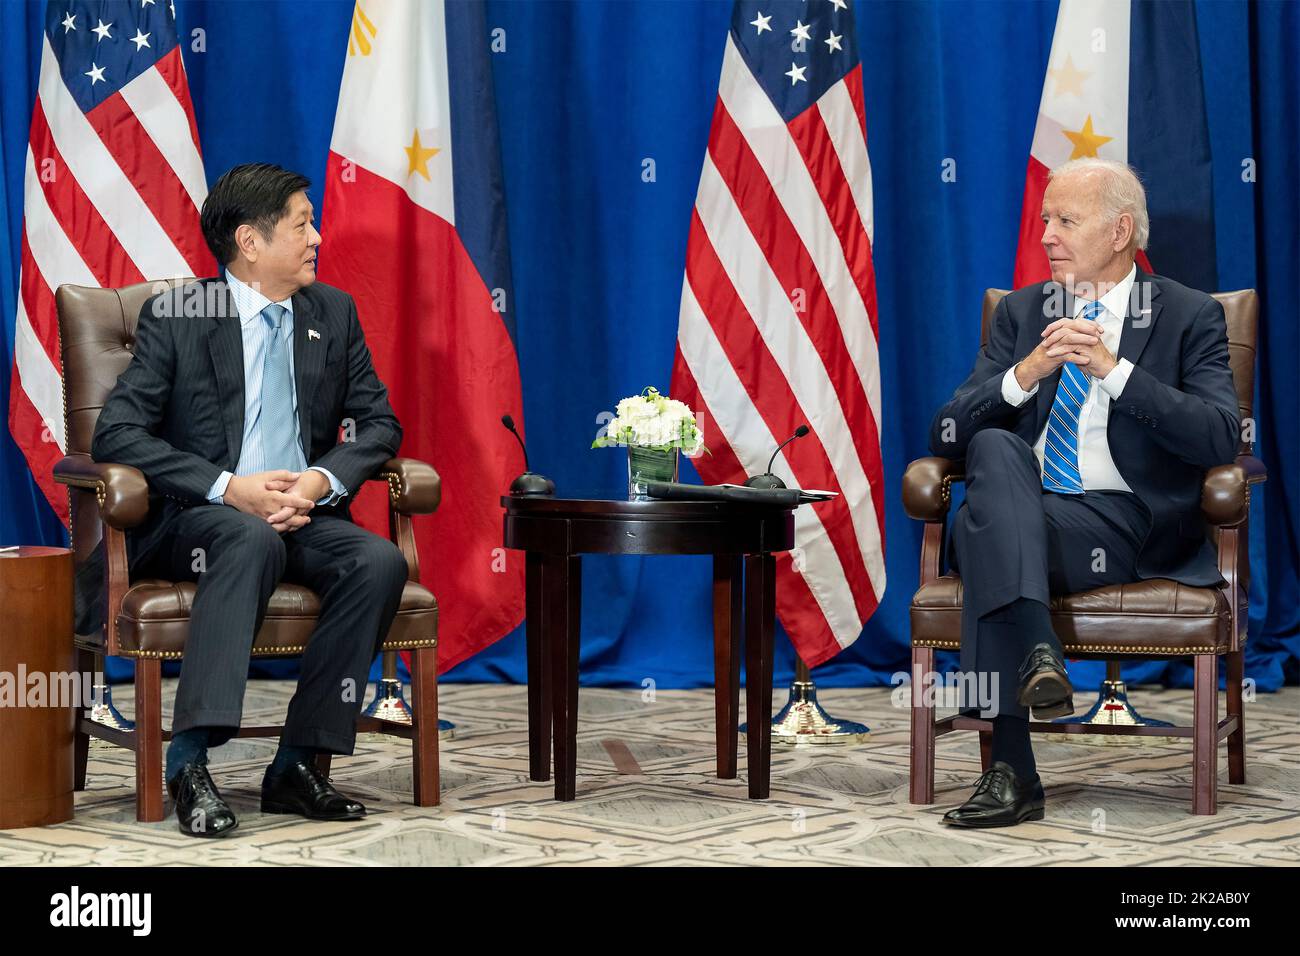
(765, 481)
(532, 485)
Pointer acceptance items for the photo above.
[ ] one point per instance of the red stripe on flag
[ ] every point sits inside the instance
(814, 143)
(30, 434)
(72, 208)
(800, 614)
(794, 269)
(451, 372)
(38, 303)
(772, 398)
(720, 465)
(172, 70)
(853, 83)
(154, 179)
(797, 609)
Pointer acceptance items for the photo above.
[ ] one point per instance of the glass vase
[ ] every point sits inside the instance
(648, 464)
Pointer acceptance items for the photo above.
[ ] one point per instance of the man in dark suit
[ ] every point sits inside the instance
(232, 407)
(1087, 425)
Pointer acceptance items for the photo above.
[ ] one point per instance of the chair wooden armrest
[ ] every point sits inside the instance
(1225, 502)
(122, 502)
(1225, 495)
(414, 488)
(927, 487)
(927, 494)
(120, 490)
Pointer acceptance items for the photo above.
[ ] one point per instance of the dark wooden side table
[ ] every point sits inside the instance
(742, 538)
(36, 742)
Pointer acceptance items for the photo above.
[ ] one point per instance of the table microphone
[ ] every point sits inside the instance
(767, 479)
(528, 484)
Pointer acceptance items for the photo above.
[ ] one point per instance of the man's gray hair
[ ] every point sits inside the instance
(1121, 192)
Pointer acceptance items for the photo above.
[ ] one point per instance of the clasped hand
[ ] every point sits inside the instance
(1077, 341)
(282, 498)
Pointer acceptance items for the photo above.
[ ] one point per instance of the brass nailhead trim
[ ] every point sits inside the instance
(394, 486)
(1096, 648)
(101, 492)
(274, 652)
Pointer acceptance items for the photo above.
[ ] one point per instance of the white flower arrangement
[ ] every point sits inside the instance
(651, 420)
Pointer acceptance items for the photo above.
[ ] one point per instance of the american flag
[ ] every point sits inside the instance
(778, 322)
(112, 192)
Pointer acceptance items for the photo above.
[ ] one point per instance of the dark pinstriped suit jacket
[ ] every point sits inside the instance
(177, 412)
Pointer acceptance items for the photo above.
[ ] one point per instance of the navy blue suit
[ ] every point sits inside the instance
(1176, 417)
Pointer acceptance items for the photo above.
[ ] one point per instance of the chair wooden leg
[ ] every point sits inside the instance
(86, 664)
(424, 743)
(1236, 662)
(148, 740)
(921, 781)
(1205, 745)
(986, 750)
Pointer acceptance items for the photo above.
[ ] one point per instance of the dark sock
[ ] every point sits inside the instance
(289, 755)
(1034, 621)
(1011, 744)
(187, 746)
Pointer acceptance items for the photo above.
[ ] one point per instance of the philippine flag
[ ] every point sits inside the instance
(414, 228)
(1124, 82)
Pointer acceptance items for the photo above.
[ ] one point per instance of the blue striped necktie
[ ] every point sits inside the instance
(1061, 449)
(280, 448)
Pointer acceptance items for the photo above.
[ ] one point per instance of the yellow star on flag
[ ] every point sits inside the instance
(1068, 78)
(1086, 142)
(418, 156)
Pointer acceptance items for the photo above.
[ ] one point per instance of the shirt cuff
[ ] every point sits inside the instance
(1012, 393)
(218, 489)
(338, 492)
(1115, 380)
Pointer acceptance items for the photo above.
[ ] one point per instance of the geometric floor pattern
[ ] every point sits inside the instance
(647, 796)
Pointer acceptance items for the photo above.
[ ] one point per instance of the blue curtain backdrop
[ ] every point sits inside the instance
(587, 92)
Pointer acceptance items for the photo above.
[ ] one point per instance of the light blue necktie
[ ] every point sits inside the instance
(280, 447)
(1061, 450)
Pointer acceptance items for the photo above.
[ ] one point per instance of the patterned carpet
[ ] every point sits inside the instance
(647, 796)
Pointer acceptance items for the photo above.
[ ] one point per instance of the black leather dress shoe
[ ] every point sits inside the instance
(1044, 685)
(200, 811)
(304, 790)
(1000, 800)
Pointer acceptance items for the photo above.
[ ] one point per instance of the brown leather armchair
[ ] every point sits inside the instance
(1156, 618)
(148, 620)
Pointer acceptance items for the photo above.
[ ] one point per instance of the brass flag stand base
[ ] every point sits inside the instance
(803, 721)
(1113, 710)
(390, 702)
(102, 710)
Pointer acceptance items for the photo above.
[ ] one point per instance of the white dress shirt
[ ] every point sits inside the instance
(250, 303)
(1097, 468)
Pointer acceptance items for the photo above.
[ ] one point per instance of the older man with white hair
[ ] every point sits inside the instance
(1087, 424)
